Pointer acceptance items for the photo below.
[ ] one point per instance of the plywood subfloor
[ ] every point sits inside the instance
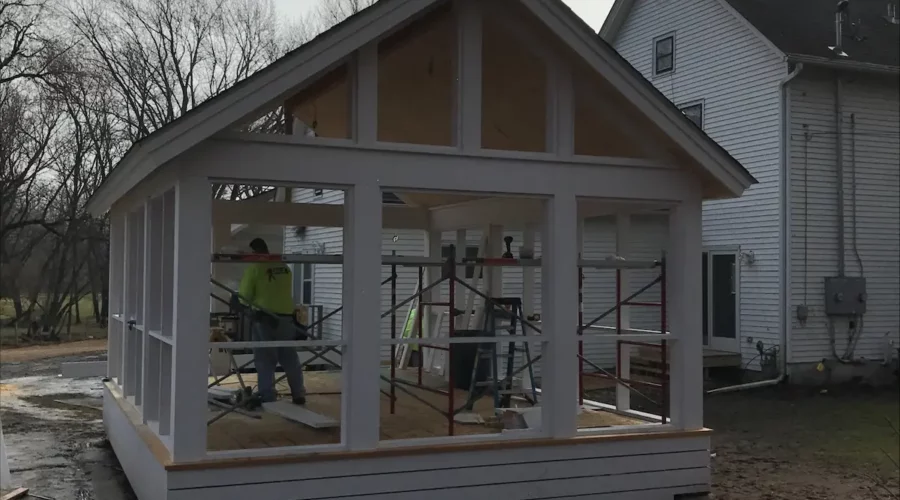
(412, 419)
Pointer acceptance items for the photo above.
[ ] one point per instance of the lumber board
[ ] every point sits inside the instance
(297, 413)
(81, 369)
(17, 493)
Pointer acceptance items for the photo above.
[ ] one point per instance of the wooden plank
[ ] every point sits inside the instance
(297, 413)
(17, 493)
(83, 369)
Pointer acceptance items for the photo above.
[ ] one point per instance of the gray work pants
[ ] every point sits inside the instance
(267, 358)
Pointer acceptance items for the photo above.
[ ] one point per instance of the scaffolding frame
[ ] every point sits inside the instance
(600, 372)
(449, 268)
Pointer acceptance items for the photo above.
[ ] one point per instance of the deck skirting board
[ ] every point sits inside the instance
(144, 472)
(405, 489)
(658, 468)
(437, 462)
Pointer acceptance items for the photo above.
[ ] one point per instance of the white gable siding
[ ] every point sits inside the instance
(723, 63)
(814, 224)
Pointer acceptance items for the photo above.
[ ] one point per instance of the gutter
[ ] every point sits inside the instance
(785, 234)
(844, 64)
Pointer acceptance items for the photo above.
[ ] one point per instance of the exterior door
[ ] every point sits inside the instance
(722, 287)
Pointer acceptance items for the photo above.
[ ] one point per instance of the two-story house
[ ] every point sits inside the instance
(805, 95)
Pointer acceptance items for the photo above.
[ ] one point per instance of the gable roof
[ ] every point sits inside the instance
(804, 29)
(283, 78)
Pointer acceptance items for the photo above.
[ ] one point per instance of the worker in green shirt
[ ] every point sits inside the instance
(266, 288)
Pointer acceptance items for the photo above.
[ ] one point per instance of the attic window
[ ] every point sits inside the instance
(694, 112)
(664, 55)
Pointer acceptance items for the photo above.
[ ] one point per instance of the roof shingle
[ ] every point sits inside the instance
(806, 27)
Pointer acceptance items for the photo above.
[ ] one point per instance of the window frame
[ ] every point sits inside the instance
(701, 103)
(656, 41)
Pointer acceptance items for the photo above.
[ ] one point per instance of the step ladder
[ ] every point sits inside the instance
(508, 311)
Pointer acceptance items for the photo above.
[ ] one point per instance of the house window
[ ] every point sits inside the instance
(664, 55)
(303, 283)
(471, 253)
(694, 112)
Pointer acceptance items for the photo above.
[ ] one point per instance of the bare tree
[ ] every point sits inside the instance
(332, 12)
(21, 47)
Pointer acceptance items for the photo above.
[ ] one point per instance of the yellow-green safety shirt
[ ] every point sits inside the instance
(268, 286)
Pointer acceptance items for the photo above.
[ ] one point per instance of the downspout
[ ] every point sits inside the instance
(839, 158)
(784, 279)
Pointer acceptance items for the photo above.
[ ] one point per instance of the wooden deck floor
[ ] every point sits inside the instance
(412, 419)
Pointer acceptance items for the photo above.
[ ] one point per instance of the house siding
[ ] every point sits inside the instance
(814, 198)
(724, 64)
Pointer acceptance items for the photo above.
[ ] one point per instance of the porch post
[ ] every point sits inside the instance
(559, 276)
(115, 327)
(190, 319)
(623, 230)
(360, 407)
(432, 274)
(684, 296)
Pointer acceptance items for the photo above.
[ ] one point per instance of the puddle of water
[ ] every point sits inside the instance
(27, 396)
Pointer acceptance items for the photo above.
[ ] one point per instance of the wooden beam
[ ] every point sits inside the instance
(310, 214)
(283, 159)
(520, 212)
(468, 115)
(365, 95)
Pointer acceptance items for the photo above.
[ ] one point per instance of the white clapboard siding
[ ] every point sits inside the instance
(814, 225)
(720, 62)
(663, 468)
(327, 279)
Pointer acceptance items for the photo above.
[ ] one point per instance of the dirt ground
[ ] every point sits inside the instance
(37, 352)
(769, 444)
(801, 443)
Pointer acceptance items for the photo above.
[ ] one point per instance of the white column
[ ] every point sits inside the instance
(153, 245)
(116, 294)
(559, 276)
(684, 291)
(561, 109)
(432, 274)
(126, 379)
(495, 249)
(360, 407)
(623, 229)
(464, 299)
(468, 91)
(193, 219)
(527, 249)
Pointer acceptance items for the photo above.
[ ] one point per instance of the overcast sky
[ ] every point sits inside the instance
(592, 11)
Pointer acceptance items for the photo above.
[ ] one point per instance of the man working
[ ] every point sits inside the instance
(266, 287)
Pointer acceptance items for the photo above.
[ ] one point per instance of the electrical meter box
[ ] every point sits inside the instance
(845, 296)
